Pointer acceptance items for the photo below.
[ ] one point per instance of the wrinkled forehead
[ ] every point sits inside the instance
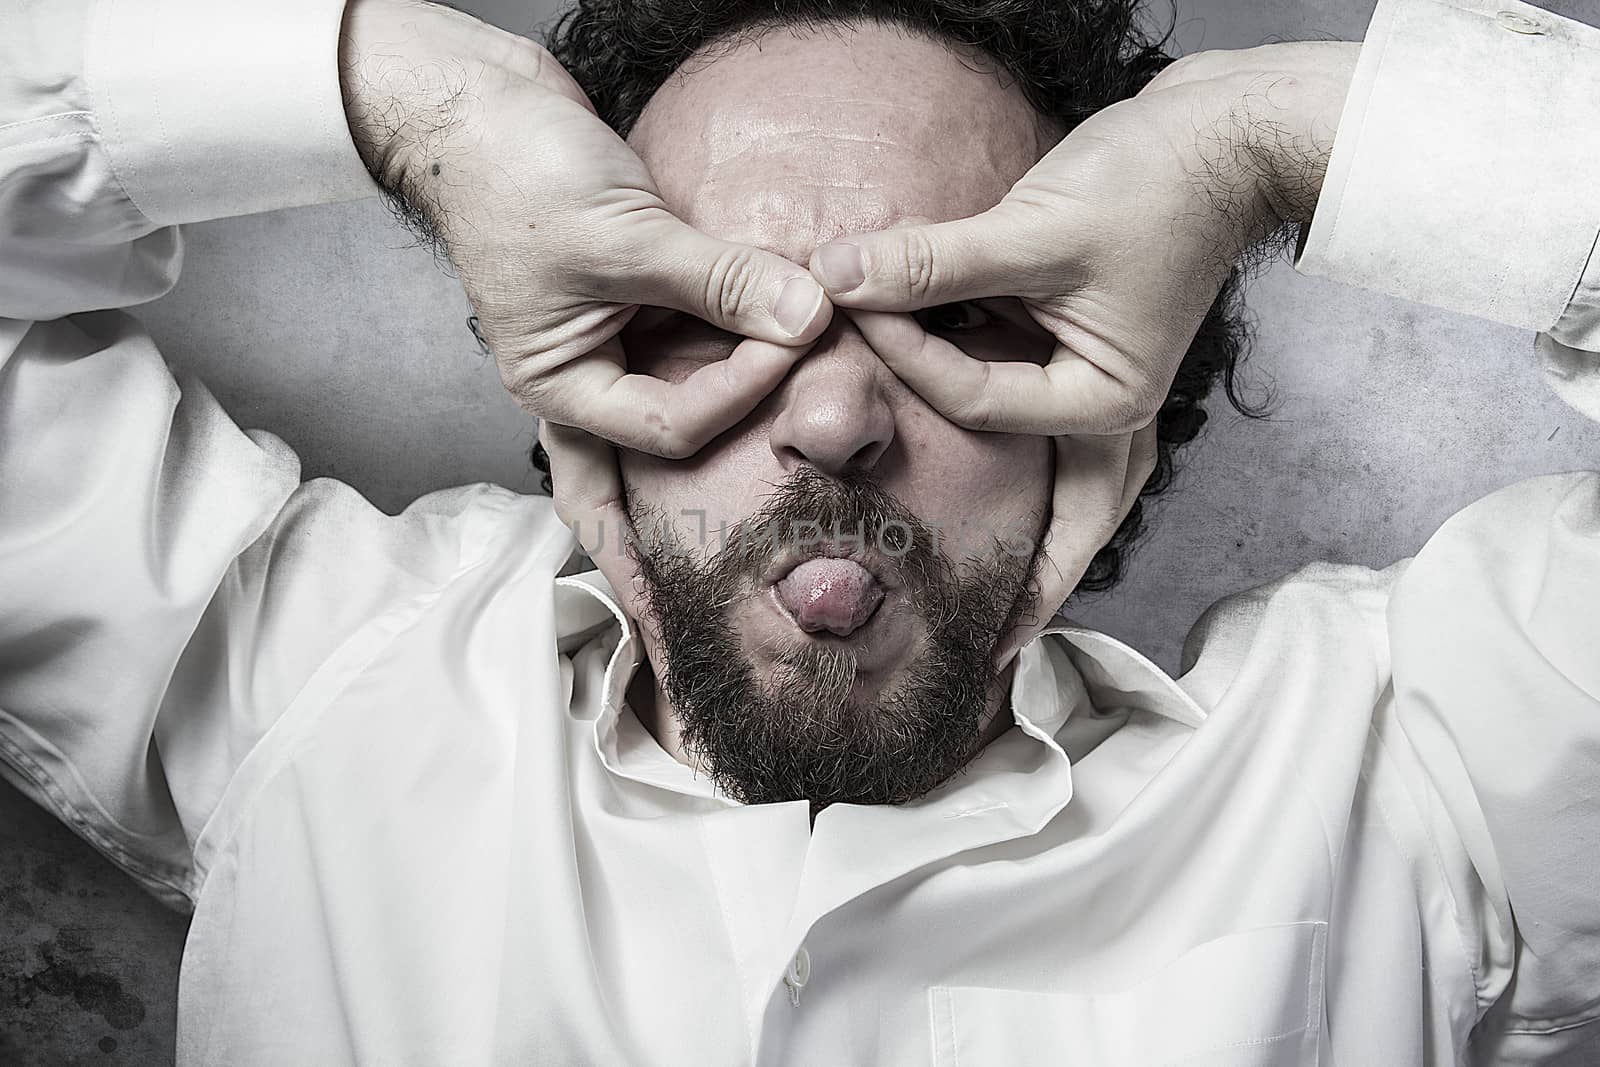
(792, 138)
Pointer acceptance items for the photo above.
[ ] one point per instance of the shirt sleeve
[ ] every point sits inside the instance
(168, 582)
(121, 118)
(1496, 677)
(1462, 175)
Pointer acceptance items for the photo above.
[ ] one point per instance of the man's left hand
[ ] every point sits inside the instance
(1117, 242)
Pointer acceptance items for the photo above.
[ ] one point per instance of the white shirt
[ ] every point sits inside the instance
(387, 763)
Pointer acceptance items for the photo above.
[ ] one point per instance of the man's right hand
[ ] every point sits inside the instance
(556, 230)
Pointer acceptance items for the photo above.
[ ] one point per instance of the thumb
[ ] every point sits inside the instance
(912, 267)
(739, 288)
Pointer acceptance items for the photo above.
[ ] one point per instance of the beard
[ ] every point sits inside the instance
(801, 734)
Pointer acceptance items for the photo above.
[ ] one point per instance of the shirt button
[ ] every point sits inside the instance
(1517, 22)
(797, 975)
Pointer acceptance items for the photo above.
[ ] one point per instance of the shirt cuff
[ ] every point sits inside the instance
(1462, 172)
(214, 109)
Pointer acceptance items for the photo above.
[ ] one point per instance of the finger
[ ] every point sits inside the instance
(1142, 455)
(911, 267)
(1091, 474)
(588, 492)
(1069, 395)
(1085, 509)
(585, 481)
(672, 419)
(739, 288)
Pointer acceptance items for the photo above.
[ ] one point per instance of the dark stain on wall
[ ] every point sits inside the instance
(88, 961)
(66, 958)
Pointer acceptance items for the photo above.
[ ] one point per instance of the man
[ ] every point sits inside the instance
(430, 802)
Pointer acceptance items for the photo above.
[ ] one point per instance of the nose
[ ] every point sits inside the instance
(834, 412)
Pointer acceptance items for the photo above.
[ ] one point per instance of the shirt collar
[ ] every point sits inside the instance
(1067, 671)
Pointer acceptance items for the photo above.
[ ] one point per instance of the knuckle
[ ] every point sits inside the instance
(974, 414)
(673, 445)
(528, 389)
(1132, 408)
(975, 410)
(1149, 402)
(917, 263)
(729, 282)
(657, 432)
(674, 442)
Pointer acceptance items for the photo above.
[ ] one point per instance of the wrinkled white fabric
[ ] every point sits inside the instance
(387, 763)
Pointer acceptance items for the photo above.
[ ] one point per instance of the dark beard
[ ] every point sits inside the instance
(801, 737)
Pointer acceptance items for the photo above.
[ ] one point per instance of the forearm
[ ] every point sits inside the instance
(406, 82)
(1292, 114)
(1262, 122)
(415, 79)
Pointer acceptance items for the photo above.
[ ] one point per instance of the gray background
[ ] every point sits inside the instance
(325, 327)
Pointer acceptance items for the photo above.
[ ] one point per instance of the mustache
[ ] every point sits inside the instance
(811, 514)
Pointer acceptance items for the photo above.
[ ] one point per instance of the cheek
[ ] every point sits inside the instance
(720, 485)
(979, 487)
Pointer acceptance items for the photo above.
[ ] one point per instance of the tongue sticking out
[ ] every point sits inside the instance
(836, 595)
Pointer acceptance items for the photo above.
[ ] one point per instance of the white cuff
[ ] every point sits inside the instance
(1463, 172)
(212, 109)
(1579, 325)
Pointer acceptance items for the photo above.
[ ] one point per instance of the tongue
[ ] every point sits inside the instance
(836, 595)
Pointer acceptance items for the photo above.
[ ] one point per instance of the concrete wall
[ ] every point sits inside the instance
(323, 326)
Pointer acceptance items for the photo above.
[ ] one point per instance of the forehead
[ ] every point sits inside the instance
(793, 138)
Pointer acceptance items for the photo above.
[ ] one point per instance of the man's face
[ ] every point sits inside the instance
(827, 580)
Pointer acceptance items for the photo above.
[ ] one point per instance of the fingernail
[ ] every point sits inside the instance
(841, 266)
(798, 302)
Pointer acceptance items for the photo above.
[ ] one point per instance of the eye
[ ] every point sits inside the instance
(959, 317)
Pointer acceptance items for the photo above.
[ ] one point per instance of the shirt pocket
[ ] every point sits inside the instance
(1249, 999)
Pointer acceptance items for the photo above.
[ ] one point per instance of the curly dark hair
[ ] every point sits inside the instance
(1070, 58)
